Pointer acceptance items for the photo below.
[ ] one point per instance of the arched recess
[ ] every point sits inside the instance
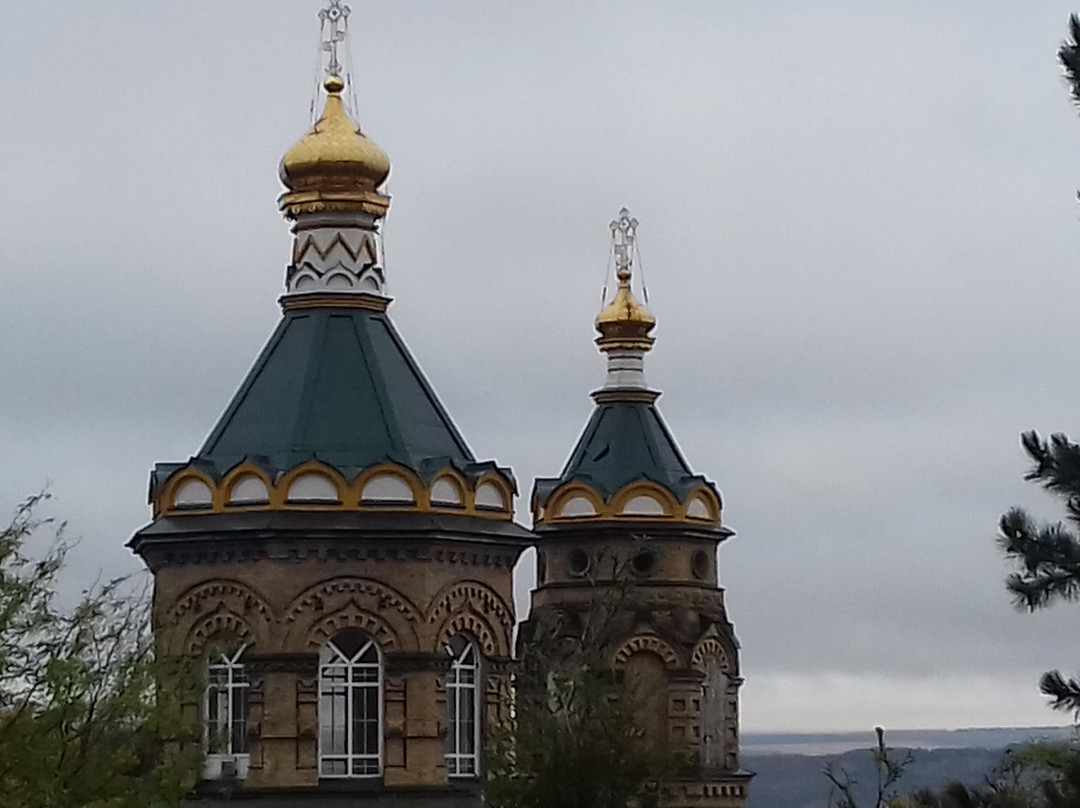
(313, 485)
(222, 627)
(647, 680)
(388, 488)
(650, 643)
(219, 596)
(489, 639)
(389, 485)
(480, 599)
(351, 616)
(312, 606)
(714, 647)
(719, 717)
(491, 495)
(193, 493)
(448, 491)
(247, 485)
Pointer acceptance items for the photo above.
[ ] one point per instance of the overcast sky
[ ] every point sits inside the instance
(859, 231)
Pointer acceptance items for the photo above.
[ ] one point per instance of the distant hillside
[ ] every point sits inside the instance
(787, 779)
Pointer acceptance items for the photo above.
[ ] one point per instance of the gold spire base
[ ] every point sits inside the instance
(295, 203)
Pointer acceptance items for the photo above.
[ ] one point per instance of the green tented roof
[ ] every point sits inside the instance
(623, 442)
(338, 385)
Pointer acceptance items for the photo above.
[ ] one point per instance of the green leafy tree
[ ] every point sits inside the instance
(81, 721)
(569, 737)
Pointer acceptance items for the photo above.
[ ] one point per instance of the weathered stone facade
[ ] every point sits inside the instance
(677, 637)
(282, 598)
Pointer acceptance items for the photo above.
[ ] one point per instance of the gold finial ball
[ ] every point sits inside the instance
(334, 84)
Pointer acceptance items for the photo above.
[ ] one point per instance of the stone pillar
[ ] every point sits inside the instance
(282, 715)
(415, 728)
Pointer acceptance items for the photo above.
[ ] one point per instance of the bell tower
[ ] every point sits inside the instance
(627, 504)
(334, 554)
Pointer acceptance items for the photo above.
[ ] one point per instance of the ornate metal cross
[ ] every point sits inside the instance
(623, 233)
(335, 21)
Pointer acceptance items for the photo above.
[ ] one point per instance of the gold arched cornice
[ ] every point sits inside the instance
(420, 494)
(353, 616)
(309, 608)
(671, 510)
(501, 485)
(280, 498)
(177, 480)
(477, 596)
(572, 490)
(460, 484)
(349, 494)
(649, 643)
(235, 475)
(708, 499)
(645, 488)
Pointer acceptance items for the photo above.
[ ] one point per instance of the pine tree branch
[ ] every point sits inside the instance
(1069, 58)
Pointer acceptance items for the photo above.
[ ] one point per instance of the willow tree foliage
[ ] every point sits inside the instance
(81, 721)
(570, 735)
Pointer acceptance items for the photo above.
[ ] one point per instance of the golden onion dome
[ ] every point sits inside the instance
(625, 323)
(334, 160)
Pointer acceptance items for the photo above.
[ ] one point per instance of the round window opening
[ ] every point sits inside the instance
(700, 564)
(578, 562)
(644, 562)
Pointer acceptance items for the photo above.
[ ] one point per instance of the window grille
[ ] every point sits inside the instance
(350, 707)
(463, 709)
(226, 704)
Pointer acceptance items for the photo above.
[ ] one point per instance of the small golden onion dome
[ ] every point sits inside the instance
(334, 164)
(625, 323)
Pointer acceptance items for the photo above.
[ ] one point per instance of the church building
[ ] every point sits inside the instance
(343, 565)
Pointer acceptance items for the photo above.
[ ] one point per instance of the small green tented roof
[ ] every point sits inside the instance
(623, 442)
(340, 386)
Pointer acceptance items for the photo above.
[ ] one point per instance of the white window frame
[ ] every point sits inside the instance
(458, 763)
(232, 685)
(332, 657)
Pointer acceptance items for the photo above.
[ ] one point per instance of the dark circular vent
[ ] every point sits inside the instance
(578, 562)
(644, 562)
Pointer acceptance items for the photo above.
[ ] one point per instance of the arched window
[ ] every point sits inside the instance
(350, 707)
(225, 711)
(463, 709)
